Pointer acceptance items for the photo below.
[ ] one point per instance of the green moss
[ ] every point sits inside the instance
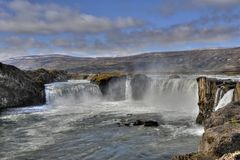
(98, 78)
(234, 121)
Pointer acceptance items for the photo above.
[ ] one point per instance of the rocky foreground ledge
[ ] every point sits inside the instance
(25, 88)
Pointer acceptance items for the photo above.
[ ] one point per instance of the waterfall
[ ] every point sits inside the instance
(128, 90)
(227, 98)
(71, 92)
(218, 96)
(180, 94)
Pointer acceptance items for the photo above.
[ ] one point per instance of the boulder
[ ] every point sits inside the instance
(151, 123)
(221, 139)
(140, 84)
(112, 85)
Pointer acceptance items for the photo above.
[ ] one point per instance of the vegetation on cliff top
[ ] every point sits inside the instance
(98, 78)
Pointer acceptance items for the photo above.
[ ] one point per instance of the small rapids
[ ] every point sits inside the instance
(78, 123)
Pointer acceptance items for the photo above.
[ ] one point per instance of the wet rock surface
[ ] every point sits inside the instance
(112, 85)
(141, 120)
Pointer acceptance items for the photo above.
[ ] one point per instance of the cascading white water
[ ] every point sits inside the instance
(128, 90)
(227, 98)
(174, 94)
(218, 96)
(71, 92)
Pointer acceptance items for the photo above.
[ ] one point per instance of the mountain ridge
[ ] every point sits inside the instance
(188, 61)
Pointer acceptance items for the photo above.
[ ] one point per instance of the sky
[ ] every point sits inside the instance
(96, 28)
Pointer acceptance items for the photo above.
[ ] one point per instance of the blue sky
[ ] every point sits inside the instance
(115, 27)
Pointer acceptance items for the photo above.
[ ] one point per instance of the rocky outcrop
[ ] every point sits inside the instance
(43, 76)
(221, 140)
(24, 88)
(139, 84)
(221, 137)
(18, 89)
(112, 85)
(209, 97)
(229, 113)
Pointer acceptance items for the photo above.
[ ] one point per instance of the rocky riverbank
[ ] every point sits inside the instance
(25, 88)
(221, 139)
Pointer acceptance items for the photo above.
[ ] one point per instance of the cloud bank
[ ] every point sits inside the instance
(46, 28)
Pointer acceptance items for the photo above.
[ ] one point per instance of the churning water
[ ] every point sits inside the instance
(78, 123)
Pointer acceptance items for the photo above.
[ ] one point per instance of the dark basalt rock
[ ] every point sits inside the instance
(18, 89)
(112, 85)
(24, 88)
(140, 84)
(138, 122)
(151, 123)
(43, 76)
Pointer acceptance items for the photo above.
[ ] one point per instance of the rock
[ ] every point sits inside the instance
(138, 123)
(231, 156)
(221, 139)
(18, 89)
(43, 76)
(207, 90)
(140, 84)
(236, 95)
(112, 85)
(24, 88)
(151, 123)
(193, 156)
(229, 113)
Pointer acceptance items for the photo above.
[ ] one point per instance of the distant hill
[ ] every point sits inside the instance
(193, 61)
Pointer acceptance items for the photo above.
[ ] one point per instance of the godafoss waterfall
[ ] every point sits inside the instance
(133, 118)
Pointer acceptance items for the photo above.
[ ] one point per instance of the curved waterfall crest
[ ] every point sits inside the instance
(73, 90)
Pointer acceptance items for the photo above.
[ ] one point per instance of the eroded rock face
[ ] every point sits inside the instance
(229, 113)
(112, 85)
(140, 84)
(221, 140)
(207, 90)
(43, 76)
(24, 88)
(18, 89)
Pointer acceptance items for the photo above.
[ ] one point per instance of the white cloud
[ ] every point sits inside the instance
(26, 17)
